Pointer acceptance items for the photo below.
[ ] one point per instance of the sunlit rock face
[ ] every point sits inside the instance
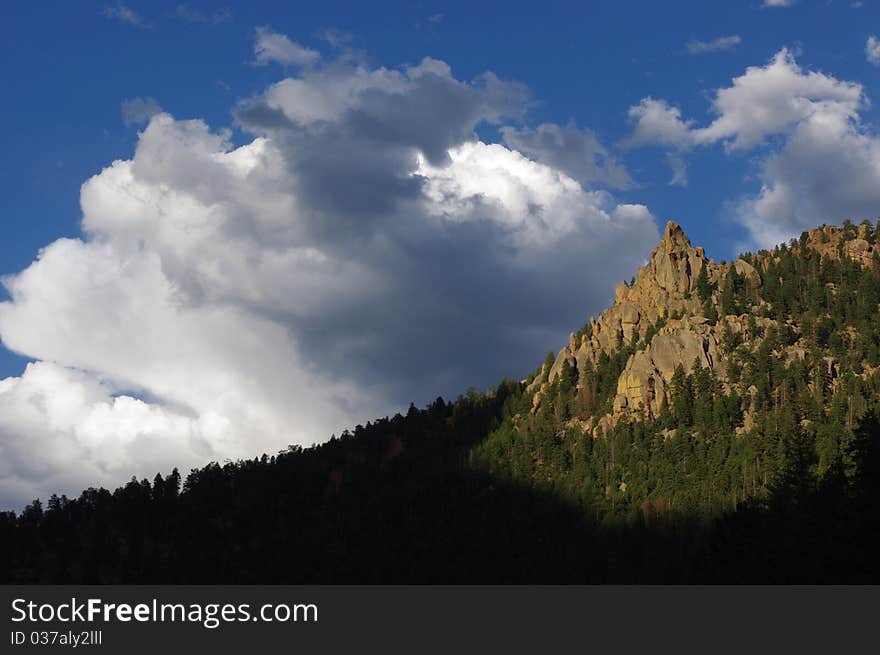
(660, 315)
(665, 286)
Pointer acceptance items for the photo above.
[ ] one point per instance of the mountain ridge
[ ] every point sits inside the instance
(668, 291)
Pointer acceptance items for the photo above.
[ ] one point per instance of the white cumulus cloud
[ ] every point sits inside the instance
(826, 166)
(362, 249)
(764, 101)
(658, 122)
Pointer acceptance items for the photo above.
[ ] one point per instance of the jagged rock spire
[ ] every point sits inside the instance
(665, 285)
(675, 264)
(669, 322)
(674, 239)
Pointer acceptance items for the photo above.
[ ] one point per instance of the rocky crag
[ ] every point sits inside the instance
(673, 314)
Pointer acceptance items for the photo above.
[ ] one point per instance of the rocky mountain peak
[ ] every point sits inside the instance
(674, 240)
(675, 264)
(667, 281)
(672, 314)
(663, 287)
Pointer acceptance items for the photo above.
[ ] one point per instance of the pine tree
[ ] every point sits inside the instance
(682, 398)
(704, 288)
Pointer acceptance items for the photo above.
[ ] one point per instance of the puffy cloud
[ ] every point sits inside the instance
(826, 168)
(575, 151)
(137, 111)
(271, 46)
(764, 101)
(770, 99)
(492, 182)
(779, 3)
(715, 45)
(872, 50)
(658, 122)
(62, 428)
(362, 250)
(386, 106)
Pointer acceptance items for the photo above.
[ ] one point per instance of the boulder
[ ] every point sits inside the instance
(667, 351)
(747, 271)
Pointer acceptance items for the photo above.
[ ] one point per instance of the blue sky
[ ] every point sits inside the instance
(68, 68)
(483, 286)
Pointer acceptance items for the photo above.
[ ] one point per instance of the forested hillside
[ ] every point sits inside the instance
(718, 423)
